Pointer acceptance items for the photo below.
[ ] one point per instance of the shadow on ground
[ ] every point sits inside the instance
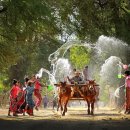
(63, 125)
(76, 119)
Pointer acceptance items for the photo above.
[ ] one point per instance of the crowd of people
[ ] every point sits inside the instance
(21, 96)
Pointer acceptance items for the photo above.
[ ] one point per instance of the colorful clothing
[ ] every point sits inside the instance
(37, 85)
(127, 81)
(22, 101)
(29, 99)
(127, 85)
(37, 94)
(13, 98)
(14, 91)
(128, 99)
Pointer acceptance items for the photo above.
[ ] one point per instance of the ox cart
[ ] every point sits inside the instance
(87, 92)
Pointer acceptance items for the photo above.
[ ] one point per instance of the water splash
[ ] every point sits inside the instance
(109, 70)
(111, 50)
(60, 66)
(111, 46)
(106, 47)
(120, 69)
(107, 56)
(62, 69)
(52, 79)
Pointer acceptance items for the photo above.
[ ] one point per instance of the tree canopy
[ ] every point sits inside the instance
(32, 29)
(79, 56)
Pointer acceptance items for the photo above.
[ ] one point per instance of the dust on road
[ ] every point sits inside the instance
(75, 119)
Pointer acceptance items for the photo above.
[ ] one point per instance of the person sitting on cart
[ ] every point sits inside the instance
(77, 79)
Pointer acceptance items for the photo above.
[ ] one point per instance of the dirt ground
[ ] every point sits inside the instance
(75, 119)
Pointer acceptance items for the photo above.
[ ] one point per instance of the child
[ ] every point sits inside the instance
(29, 99)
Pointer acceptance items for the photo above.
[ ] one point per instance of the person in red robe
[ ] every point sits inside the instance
(21, 102)
(37, 93)
(13, 98)
(127, 85)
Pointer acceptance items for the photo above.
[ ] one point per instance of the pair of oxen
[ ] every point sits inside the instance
(88, 92)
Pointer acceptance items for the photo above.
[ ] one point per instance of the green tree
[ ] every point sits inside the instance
(79, 56)
(26, 26)
(30, 29)
(88, 19)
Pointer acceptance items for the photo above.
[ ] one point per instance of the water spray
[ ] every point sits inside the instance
(120, 70)
(108, 49)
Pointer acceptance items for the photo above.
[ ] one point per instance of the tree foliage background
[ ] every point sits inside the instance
(32, 29)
